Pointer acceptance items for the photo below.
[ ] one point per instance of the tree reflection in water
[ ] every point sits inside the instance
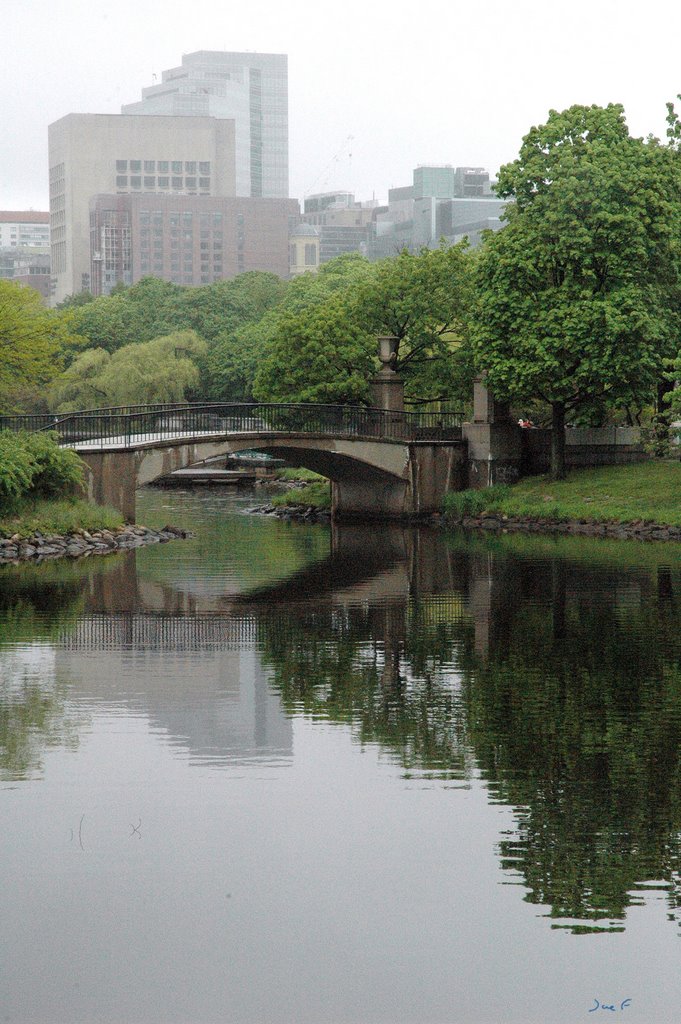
(560, 681)
(37, 604)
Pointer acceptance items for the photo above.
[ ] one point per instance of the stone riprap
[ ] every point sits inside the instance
(637, 530)
(83, 543)
(299, 513)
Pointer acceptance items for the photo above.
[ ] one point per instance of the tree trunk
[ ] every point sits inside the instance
(664, 389)
(558, 441)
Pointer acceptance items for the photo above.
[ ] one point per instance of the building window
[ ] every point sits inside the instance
(135, 165)
(190, 167)
(177, 182)
(205, 245)
(204, 182)
(163, 167)
(204, 167)
(190, 182)
(121, 180)
(163, 182)
(121, 165)
(310, 255)
(149, 182)
(135, 181)
(217, 218)
(177, 167)
(149, 166)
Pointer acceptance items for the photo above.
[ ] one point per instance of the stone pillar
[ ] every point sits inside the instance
(387, 387)
(494, 442)
(111, 479)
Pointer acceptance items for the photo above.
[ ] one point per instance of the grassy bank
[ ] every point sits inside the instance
(57, 516)
(312, 490)
(316, 494)
(647, 492)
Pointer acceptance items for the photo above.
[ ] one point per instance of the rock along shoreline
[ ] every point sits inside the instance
(493, 521)
(297, 513)
(83, 543)
(636, 530)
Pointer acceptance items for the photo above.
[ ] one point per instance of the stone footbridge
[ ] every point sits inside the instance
(381, 463)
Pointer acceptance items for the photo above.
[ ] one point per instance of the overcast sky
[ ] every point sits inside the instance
(423, 81)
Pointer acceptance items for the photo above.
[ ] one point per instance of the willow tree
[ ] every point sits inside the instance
(578, 293)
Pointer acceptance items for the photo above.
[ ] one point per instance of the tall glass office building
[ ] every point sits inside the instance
(249, 88)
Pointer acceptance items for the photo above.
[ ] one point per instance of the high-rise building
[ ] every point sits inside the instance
(249, 88)
(91, 154)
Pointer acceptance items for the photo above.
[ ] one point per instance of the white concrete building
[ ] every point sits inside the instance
(25, 229)
(251, 89)
(90, 154)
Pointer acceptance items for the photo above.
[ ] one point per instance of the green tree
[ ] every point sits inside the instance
(108, 323)
(32, 343)
(322, 338)
(161, 370)
(423, 299)
(578, 294)
(217, 313)
(319, 354)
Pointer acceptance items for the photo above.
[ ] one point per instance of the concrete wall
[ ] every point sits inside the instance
(584, 446)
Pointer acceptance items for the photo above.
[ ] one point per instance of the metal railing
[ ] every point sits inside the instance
(129, 426)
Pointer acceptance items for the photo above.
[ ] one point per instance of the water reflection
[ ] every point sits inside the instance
(557, 677)
(550, 670)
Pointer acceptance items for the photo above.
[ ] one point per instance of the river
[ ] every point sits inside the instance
(279, 773)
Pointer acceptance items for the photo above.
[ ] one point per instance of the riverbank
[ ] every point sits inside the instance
(82, 543)
(639, 502)
(71, 528)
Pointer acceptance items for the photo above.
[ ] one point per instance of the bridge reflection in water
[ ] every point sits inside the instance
(548, 669)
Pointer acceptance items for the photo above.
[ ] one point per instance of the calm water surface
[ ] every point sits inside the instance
(278, 774)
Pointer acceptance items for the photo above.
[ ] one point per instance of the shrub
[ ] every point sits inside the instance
(17, 468)
(58, 470)
(34, 466)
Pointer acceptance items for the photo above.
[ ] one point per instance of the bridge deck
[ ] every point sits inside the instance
(145, 426)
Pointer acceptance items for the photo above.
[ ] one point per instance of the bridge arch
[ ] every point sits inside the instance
(368, 477)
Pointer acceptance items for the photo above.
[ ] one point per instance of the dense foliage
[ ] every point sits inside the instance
(161, 370)
(34, 466)
(32, 342)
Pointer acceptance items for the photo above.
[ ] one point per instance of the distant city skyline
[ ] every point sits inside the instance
(372, 94)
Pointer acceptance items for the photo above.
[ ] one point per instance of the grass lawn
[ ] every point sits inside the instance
(647, 491)
(57, 516)
(316, 494)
